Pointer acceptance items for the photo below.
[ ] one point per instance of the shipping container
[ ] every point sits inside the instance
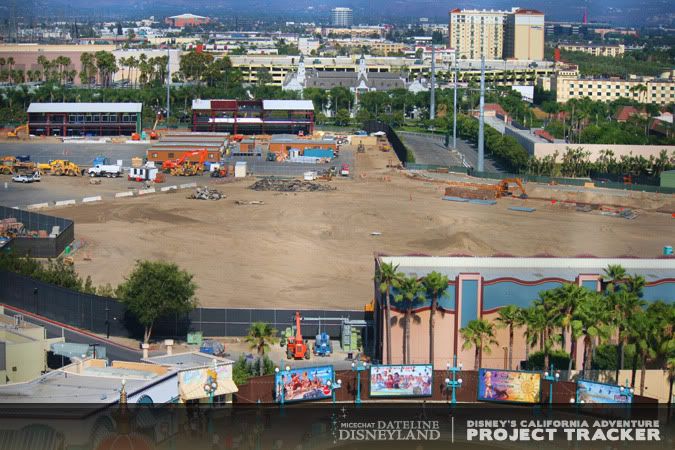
(161, 155)
(319, 153)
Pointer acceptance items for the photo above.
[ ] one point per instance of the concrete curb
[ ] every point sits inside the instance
(188, 185)
(146, 191)
(38, 206)
(124, 194)
(92, 199)
(168, 188)
(64, 202)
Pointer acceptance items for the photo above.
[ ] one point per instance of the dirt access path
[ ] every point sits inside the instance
(315, 249)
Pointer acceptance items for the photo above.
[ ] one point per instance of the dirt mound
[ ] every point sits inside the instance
(271, 184)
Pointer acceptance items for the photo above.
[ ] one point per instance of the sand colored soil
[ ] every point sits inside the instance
(315, 249)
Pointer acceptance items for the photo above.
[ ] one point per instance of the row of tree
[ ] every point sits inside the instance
(558, 316)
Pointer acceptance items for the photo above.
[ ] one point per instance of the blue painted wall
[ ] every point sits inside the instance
(591, 285)
(469, 301)
(510, 293)
(445, 301)
(663, 291)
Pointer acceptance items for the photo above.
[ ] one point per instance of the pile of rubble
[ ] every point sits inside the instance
(279, 185)
(204, 193)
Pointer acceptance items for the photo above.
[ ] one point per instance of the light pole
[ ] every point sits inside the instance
(211, 384)
(481, 118)
(107, 322)
(453, 383)
(281, 388)
(628, 392)
(168, 82)
(359, 367)
(333, 385)
(551, 378)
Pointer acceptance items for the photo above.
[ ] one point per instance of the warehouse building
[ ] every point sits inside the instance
(479, 286)
(253, 116)
(84, 119)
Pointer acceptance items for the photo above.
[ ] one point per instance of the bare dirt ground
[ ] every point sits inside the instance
(315, 249)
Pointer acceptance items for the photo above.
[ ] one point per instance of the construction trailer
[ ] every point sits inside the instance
(162, 153)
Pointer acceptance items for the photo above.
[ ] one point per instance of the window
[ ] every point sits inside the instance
(154, 155)
(171, 155)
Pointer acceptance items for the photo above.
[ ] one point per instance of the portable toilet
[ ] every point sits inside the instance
(240, 169)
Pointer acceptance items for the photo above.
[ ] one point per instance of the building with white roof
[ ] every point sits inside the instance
(186, 20)
(84, 119)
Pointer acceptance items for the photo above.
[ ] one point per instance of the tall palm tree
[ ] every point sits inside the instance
(10, 63)
(387, 275)
(670, 368)
(510, 317)
(623, 304)
(479, 334)
(260, 337)
(435, 285)
(641, 334)
(544, 316)
(592, 321)
(635, 284)
(570, 296)
(614, 274)
(409, 294)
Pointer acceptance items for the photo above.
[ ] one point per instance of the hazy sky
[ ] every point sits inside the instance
(372, 11)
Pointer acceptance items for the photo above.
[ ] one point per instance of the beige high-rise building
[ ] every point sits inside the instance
(515, 34)
(524, 35)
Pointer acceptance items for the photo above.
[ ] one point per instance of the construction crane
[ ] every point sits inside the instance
(297, 347)
(17, 130)
(184, 167)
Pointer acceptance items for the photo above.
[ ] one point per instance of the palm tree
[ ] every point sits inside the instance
(387, 275)
(10, 63)
(480, 334)
(260, 337)
(509, 317)
(641, 333)
(624, 304)
(635, 284)
(592, 321)
(570, 297)
(409, 290)
(435, 284)
(544, 317)
(670, 367)
(614, 274)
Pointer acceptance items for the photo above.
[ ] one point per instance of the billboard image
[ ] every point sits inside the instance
(307, 383)
(509, 386)
(600, 393)
(401, 381)
(191, 382)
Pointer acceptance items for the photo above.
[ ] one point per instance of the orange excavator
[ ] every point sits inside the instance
(184, 167)
(297, 348)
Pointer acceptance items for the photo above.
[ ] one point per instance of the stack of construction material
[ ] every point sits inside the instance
(272, 184)
(204, 193)
(11, 226)
(465, 192)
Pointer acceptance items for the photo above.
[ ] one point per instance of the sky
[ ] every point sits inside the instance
(620, 12)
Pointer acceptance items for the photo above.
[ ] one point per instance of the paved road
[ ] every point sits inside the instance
(81, 154)
(430, 149)
(54, 329)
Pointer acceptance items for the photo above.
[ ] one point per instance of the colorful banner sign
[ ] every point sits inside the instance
(509, 386)
(401, 381)
(600, 393)
(307, 383)
(192, 383)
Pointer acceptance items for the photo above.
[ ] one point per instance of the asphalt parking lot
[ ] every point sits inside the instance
(80, 154)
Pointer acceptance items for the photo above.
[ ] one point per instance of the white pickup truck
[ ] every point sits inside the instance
(103, 170)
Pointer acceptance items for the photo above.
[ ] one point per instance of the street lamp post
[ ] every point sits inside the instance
(333, 385)
(551, 378)
(107, 322)
(359, 367)
(628, 392)
(453, 383)
(281, 389)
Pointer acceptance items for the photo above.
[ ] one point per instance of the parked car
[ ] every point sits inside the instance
(23, 178)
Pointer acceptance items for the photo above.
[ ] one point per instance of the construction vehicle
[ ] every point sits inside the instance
(322, 345)
(15, 133)
(183, 167)
(10, 165)
(296, 347)
(271, 156)
(64, 167)
(154, 135)
(219, 172)
(486, 191)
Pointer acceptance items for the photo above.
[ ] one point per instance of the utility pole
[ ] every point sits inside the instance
(454, 106)
(481, 118)
(432, 103)
(168, 83)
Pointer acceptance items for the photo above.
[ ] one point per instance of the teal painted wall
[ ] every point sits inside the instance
(509, 293)
(469, 301)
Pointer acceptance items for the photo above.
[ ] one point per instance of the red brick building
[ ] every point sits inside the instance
(186, 20)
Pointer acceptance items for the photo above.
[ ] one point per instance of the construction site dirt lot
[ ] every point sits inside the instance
(315, 249)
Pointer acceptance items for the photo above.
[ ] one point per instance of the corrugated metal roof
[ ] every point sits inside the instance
(281, 105)
(85, 107)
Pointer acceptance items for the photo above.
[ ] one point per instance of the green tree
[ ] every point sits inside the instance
(387, 275)
(592, 320)
(260, 337)
(570, 296)
(479, 334)
(342, 117)
(510, 317)
(154, 289)
(409, 289)
(613, 275)
(623, 304)
(435, 285)
(264, 76)
(106, 65)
